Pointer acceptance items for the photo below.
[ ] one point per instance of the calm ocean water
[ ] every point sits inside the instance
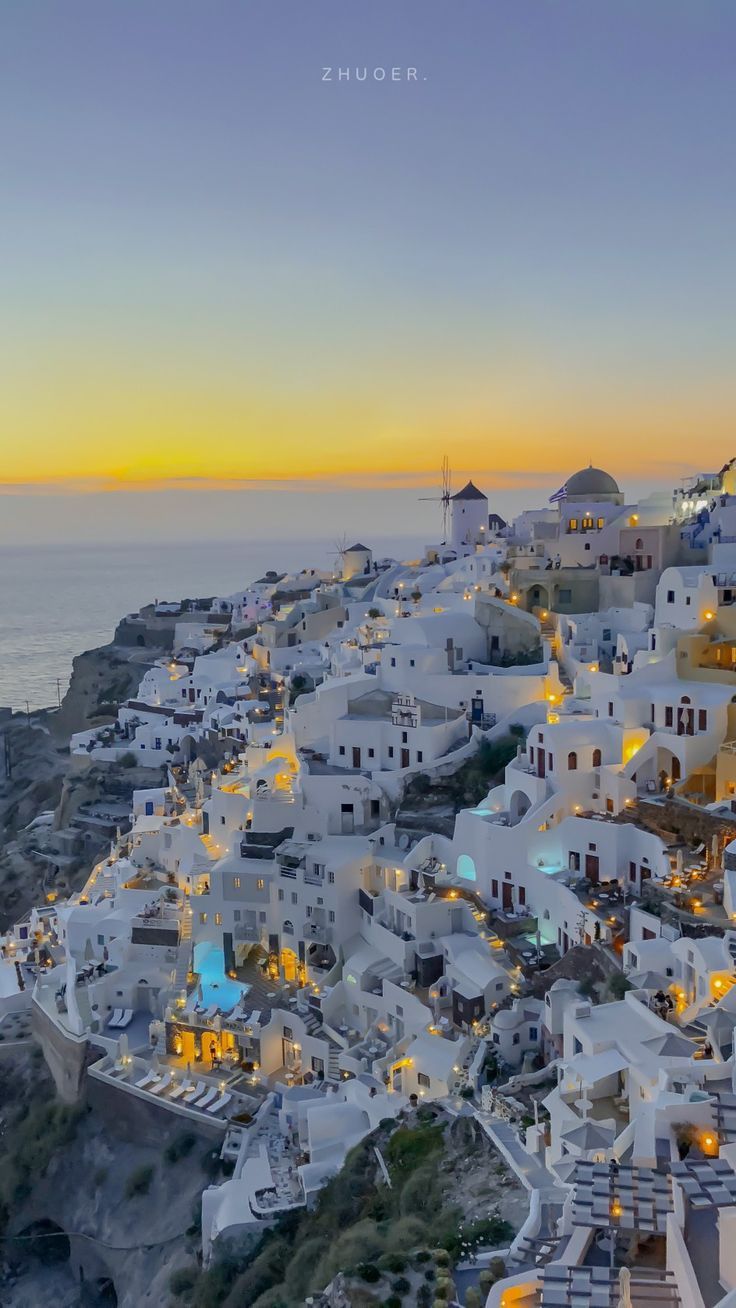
(56, 602)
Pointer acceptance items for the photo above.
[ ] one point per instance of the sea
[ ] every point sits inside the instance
(57, 601)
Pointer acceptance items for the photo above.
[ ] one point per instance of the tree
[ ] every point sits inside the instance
(618, 984)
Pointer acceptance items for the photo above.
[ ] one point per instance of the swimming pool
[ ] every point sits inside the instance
(217, 988)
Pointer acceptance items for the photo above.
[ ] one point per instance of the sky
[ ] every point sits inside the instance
(229, 286)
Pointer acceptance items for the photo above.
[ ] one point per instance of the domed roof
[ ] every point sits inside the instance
(591, 481)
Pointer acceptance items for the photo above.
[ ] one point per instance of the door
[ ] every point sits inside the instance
(591, 868)
(541, 761)
(404, 758)
(507, 892)
(347, 819)
(356, 756)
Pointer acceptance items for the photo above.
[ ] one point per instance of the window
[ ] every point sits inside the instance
(236, 915)
(496, 1039)
(404, 737)
(702, 720)
(494, 889)
(572, 761)
(331, 878)
(203, 919)
(597, 758)
(668, 715)
(218, 919)
(565, 595)
(533, 1033)
(100, 940)
(294, 897)
(600, 523)
(522, 894)
(587, 523)
(420, 756)
(157, 743)
(342, 749)
(260, 883)
(573, 524)
(332, 915)
(281, 896)
(423, 1080)
(236, 883)
(577, 1045)
(670, 597)
(390, 751)
(411, 663)
(610, 709)
(393, 663)
(516, 1038)
(371, 752)
(632, 875)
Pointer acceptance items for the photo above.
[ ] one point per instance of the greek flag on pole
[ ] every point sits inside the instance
(561, 494)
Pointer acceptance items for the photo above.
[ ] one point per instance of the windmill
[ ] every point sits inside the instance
(340, 547)
(444, 496)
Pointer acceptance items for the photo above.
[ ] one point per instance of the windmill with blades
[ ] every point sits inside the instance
(444, 496)
(340, 546)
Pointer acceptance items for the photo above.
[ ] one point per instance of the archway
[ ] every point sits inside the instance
(519, 806)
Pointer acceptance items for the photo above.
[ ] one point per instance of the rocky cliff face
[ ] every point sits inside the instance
(101, 680)
(44, 778)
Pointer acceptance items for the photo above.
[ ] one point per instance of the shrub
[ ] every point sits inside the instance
(401, 1285)
(368, 1272)
(180, 1146)
(618, 984)
(183, 1279)
(392, 1262)
(128, 760)
(393, 1301)
(139, 1181)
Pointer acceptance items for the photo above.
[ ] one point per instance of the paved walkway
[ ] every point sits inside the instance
(532, 1174)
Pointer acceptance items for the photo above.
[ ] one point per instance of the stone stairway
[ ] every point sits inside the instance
(333, 1067)
(185, 950)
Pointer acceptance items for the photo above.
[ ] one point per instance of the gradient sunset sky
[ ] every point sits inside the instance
(218, 270)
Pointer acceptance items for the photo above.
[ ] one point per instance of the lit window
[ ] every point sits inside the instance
(260, 883)
(218, 919)
(236, 882)
(203, 918)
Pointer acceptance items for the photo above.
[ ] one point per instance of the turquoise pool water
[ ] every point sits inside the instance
(217, 988)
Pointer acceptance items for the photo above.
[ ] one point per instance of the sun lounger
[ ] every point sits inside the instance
(219, 1103)
(201, 1104)
(183, 1088)
(149, 1079)
(163, 1084)
(126, 1018)
(195, 1091)
(115, 1019)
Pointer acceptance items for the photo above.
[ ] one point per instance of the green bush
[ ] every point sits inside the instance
(180, 1146)
(401, 1285)
(368, 1272)
(393, 1301)
(392, 1262)
(139, 1181)
(183, 1279)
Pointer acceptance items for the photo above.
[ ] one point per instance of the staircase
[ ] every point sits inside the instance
(185, 950)
(333, 1067)
(311, 1021)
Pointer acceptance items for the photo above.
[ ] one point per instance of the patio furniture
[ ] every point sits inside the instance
(114, 1020)
(163, 1084)
(183, 1088)
(126, 1018)
(219, 1103)
(202, 1104)
(149, 1079)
